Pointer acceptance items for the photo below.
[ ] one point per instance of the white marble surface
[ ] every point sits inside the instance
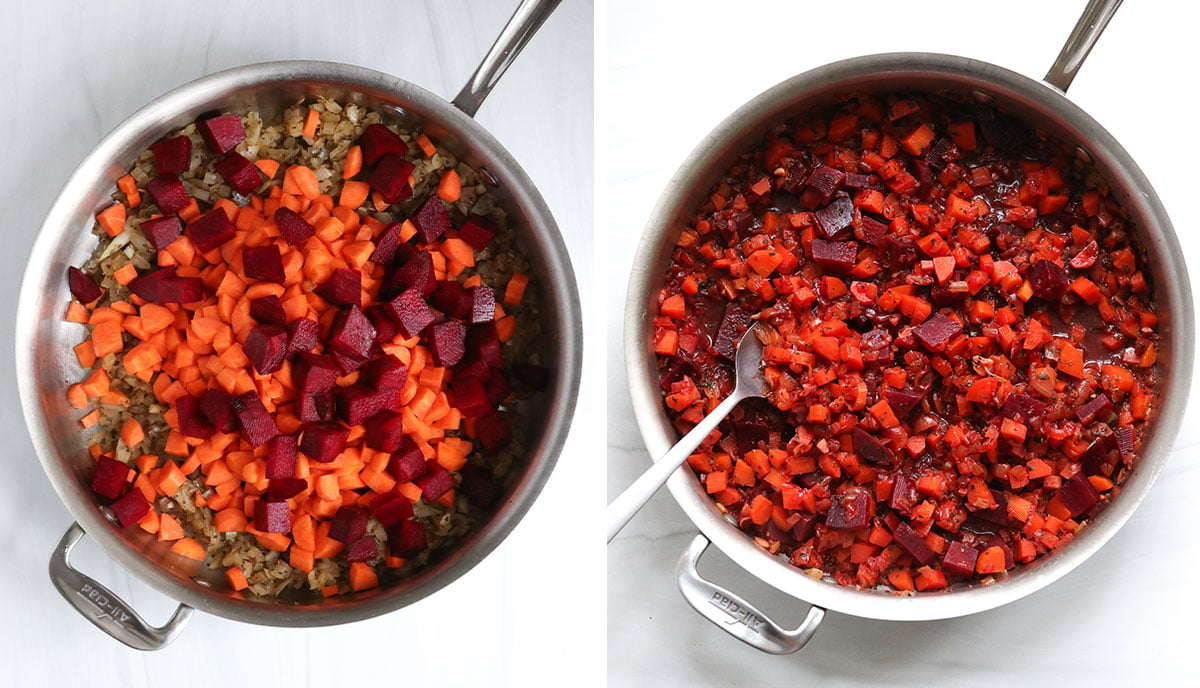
(76, 69)
(674, 70)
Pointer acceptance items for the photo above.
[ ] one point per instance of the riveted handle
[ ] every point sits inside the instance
(103, 608)
(734, 615)
(525, 22)
(1079, 44)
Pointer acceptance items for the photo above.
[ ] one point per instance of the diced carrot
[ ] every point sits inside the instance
(311, 122)
(450, 187)
(354, 194)
(362, 577)
(128, 186)
(169, 528)
(189, 548)
(268, 167)
(132, 433)
(230, 520)
(426, 146)
(353, 163)
(236, 578)
(112, 219)
(515, 289)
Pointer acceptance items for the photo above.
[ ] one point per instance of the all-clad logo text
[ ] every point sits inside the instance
(737, 613)
(104, 606)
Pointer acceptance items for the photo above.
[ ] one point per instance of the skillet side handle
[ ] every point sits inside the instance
(734, 615)
(103, 608)
(525, 22)
(1079, 44)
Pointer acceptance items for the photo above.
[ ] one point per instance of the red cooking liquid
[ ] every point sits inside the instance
(960, 344)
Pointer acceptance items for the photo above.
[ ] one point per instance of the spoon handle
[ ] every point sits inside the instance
(636, 495)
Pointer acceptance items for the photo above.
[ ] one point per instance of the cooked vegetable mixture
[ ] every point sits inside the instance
(960, 343)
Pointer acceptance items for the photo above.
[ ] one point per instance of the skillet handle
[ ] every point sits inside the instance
(734, 615)
(103, 608)
(528, 18)
(1079, 44)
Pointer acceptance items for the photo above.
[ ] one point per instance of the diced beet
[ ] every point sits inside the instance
(110, 477)
(164, 286)
(359, 403)
(192, 422)
(941, 151)
(83, 288)
(391, 508)
(483, 305)
(268, 310)
(417, 274)
(1048, 279)
(172, 155)
(959, 560)
(266, 347)
(451, 298)
(407, 539)
(870, 448)
(217, 406)
(222, 133)
(936, 331)
(835, 256)
(293, 228)
(410, 313)
(904, 494)
(435, 482)
(281, 457)
(377, 141)
(322, 442)
(352, 333)
(211, 230)
(477, 231)
(900, 253)
(849, 510)
(257, 424)
(130, 508)
(914, 544)
(302, 335)
(1022, 407)
(483, 343)
(824, 182)
(431, 220)
(385, 245)
(470, 397)
(805, 526)
(476, 368)
(347, 363)
(384, 431)
(263, 263)
(478, 486)
(997, 515)
(493, 431)
(498, 388)
(344, 287)
(903, 400)
(1124, 437)
(385, 329)
(390, 178)
(271, 517)
(348, 524)
(870, 231)
(447, 342)
(385, 372)
(835, 217)
(168, 193)
(314, 374)
(407, 463)
(855, 180)
(1078, 494)
(316, 407)
(279, 489)
(241, 174)
(1099, 407)
(161, 232)
(363, 549)
(734, 323)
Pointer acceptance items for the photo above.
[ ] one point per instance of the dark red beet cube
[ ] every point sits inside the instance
(904, 494)
(407, 539)
(849, 510)
(130, 508)
(385, 329)
(168, 193)
(451, 298)
(447, 342)
(959, 560)
(483, 305)
(493, 431)
(734, 322)
(314, 374)
(110, 478)
(172, 155)
(271, 517)
(431, 220)
(835, 217)
(407, 463)
(293, 228)
(914, 544)
(390, 178)
(1099, 407)
(268, 310)
(161, 232)
(344, 287)
(1124, 438)
(363, 549)
(384, 431)
(352, 333)
(263, 263)
(1078, 494)
(417, 274)
(349, 524)
(473, 367)
(903, 400)
(266, 347)
(936, 331)
(835, 256)
(483, 343)
(391, 508)
(824, 183)
(192, 422)
(410, 313)
(359, 403)
(435, 482)
(1023, 407)
(280, 489)
(217, 407)
(385, 245)
(222, 133)
(281, 457)
(303, 335)
(83, 288)
(477, 231)
(241, 174)
(870, 448)
(323, 442)
(1048, 279)
(164, 286)
(258, 425)
(377, 141)
(211, 230)
(385, 372)
(315, 408)
(346, 363)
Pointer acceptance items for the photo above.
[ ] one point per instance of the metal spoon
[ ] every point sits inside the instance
(749, 384)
